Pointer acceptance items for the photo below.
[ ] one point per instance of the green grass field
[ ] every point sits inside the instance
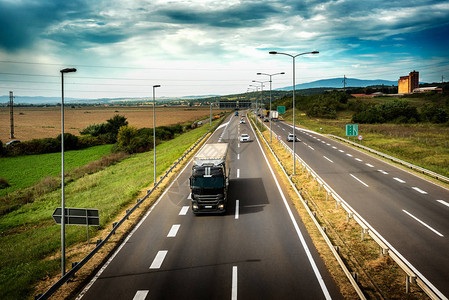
(29, 235)
(24, 171)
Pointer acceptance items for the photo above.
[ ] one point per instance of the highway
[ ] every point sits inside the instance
(411, 213)
(258, 250)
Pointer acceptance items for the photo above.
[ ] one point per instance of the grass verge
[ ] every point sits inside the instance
(30, 240)
(24, 171)
(377, 275)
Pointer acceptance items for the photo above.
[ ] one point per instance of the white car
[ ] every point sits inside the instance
(242, 121)
(244, 138)
(290, 138)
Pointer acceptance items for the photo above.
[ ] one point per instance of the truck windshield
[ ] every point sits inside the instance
(208, 182)
(208, 177)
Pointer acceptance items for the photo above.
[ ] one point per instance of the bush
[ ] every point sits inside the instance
(95, 129)
(3, 183)
(129, 140)
(397, 111)
(70, 141)
(434, 114)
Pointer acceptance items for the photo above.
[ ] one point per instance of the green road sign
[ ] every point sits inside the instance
(281, 109)
(352, 130)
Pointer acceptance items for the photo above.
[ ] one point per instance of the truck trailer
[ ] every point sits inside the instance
(210, 179)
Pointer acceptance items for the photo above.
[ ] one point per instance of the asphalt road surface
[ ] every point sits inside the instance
(411, 213)
(258, 250)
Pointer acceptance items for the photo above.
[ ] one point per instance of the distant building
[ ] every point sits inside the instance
(428, 89)
(406, 84)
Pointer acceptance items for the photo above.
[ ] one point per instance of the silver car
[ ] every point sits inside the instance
(244, 138)
(292, 137)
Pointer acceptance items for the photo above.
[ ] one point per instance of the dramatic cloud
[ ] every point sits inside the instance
(173, 38)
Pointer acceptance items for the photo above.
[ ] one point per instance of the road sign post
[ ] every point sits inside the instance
(352, 130)
(78, 216)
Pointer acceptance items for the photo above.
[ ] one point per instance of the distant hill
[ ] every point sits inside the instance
(338, 83)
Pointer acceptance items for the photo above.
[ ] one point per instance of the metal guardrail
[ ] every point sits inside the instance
(101, 242)
(396, 160)
(412, 275)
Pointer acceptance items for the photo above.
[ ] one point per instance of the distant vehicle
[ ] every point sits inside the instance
(244, 138)
(200, 122)
(209, 181)
(290, 138)
(274, 115)
(236, 113)
(243, 115)
(12, 142)
(266, 120)
(242, 121)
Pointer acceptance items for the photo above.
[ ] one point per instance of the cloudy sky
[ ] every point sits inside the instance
(201, 47)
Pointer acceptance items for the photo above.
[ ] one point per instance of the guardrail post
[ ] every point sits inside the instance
(327, 196)
(348, 217)
(364, 230)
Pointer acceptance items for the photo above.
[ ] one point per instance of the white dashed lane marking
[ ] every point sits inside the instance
(141, 295)
(184, 210)
(174, 230)
(159, 259)
(399, 180)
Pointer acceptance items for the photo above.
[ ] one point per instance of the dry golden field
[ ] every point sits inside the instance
(41, 122)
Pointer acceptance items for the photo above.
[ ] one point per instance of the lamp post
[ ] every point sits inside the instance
(256, 90)
(154, 130)
(271, 75)
(261, 93)
(63, 71)
(294, 129)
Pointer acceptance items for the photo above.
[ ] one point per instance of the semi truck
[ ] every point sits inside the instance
(274, 115)
(210, 179)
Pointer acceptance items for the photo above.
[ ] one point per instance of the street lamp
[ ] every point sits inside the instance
(154, 130)
(271, 75)
(294, 130)
(261, 94)
(256, 90)
(67, 70)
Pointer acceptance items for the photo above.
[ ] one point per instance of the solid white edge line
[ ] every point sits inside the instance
(422, 223)
(237, 202)
(295, 225)
(87, 287)
(141, 295)
(159, 259)
(174, 230)
(443, 202)
(359, 180)
(234, 283)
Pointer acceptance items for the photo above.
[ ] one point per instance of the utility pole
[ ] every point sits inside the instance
(442, 79)
(344, 83)
(11, 112)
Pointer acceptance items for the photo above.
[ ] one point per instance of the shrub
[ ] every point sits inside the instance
(434, 114)
(95, 129)
(3, 183)
(70, 141)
